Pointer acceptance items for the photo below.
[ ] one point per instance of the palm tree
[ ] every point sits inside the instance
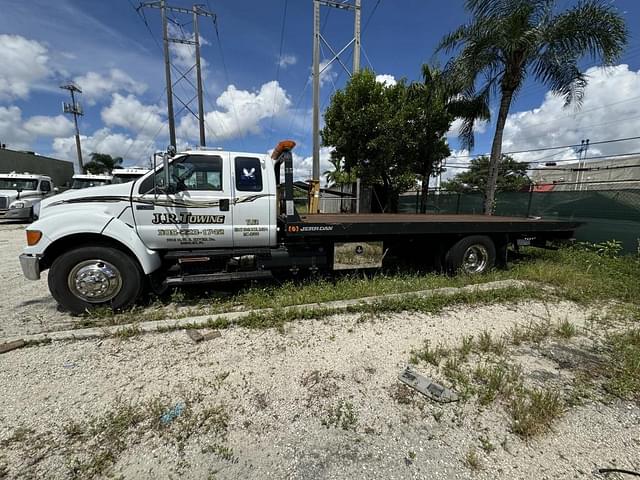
(508, 40)
(102, 163)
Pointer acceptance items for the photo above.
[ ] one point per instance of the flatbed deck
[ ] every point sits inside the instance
(421, 224)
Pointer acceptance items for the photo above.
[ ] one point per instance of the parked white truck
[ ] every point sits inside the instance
(127, 174)
(21, 194)
(86, 180)
(213, 216)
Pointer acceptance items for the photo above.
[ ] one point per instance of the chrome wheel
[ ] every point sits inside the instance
(95, 281)
(475, 259)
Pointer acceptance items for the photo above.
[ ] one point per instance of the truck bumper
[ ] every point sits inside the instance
(16, 213)
(30, 266)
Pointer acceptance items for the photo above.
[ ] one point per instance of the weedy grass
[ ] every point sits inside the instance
(472, 460)
(90, 447)
(342, 415)
(622, 372)
(579, 274)
(533, 411)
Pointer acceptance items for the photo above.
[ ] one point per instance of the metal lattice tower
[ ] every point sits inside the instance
(196, 11)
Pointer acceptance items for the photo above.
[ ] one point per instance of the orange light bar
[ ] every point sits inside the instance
(33, 237)
(281, 147)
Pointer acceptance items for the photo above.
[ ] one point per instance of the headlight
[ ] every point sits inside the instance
(17, 205)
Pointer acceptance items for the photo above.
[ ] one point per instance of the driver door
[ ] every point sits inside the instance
(192, 211)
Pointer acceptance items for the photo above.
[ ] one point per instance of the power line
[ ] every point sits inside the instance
(542, 149)
(278, 65)
(619, 155)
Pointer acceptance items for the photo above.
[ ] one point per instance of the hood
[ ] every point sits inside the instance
(11, 194)
(116, 191)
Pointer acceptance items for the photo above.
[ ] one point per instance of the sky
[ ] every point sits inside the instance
(254, 96)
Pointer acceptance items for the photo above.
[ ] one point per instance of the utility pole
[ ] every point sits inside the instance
(314, 192)
(316, 92)
(196, 39)
(582, 153)
(356, 37)
(75, 109)
(196, 11)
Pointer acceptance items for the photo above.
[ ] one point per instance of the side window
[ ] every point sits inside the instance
(199, 173)
(45, 186)
(193, 173)
(248, 174)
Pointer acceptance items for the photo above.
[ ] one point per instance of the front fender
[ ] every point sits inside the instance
(72, 223)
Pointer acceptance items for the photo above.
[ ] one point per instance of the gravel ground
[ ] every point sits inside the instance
(281, 391)
(27, 306)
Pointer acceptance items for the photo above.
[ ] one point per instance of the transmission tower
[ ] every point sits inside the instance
(196, 11)
(74, 108)
(318, 38)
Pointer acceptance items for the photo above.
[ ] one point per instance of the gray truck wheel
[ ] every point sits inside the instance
(89, 277)
(472, 255)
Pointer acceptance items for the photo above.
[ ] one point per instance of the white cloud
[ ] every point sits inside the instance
(19, 135)
(386, 79)
(135, 151)
(24, 64)
(12, 133)
(460, 159)
(610, 110)
(328, 75)
(96, 85)
(45, 126)
(240, 112)
(287, 60)
(454, 129)
(128, 112)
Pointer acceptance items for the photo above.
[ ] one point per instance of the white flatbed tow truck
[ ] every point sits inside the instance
(213, 216)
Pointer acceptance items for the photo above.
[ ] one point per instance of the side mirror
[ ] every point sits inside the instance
(56, 190)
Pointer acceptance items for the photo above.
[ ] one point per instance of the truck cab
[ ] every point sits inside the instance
(21, 194)
(86, 180)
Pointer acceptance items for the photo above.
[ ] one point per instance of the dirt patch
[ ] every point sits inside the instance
(320, 400)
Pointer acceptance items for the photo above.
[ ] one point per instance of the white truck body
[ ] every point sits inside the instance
(21, 194)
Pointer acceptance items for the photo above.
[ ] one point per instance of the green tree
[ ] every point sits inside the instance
(338, 176)
(428, 111)
(512, 176)
(507, 41)
(102, 163)
(358, 125)
(389, 135)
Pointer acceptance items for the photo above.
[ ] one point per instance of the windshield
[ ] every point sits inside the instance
(17, 183)
(86, 183)
(126, 178)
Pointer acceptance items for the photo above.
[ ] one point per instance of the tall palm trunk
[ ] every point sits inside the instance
(496, 151)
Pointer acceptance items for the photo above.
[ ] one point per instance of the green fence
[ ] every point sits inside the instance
(607, 214)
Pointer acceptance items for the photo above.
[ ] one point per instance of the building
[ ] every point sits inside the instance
(617, 173)
(60, 171)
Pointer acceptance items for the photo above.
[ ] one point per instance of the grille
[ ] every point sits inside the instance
(4, 203)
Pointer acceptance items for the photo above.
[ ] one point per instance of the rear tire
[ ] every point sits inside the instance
(90, 277)
(472, 255)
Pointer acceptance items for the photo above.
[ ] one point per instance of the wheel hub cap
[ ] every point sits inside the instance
(95, 281)
(476, 259)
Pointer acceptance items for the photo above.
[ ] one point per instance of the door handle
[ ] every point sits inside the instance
(224, 204)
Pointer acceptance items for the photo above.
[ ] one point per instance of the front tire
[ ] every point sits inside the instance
(471, 255)
(89, 277)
